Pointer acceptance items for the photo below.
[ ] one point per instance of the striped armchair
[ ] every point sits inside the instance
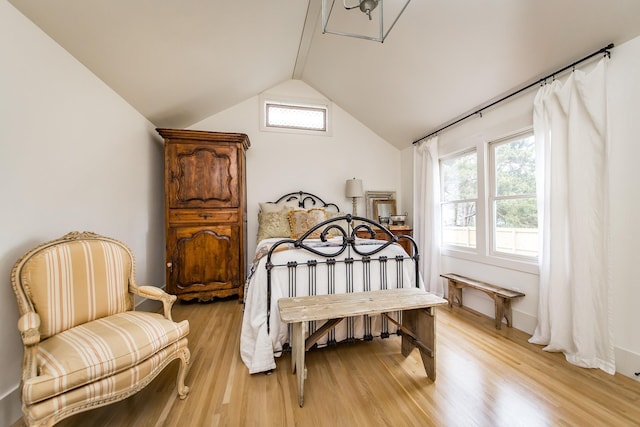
(84, 345)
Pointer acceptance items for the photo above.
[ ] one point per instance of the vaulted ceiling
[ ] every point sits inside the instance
(180, 61)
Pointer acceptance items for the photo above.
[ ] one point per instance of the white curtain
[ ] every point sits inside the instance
(570, 126)
(426, 212)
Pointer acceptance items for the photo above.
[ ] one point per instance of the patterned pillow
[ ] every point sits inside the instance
(273, 224)
(301, 221)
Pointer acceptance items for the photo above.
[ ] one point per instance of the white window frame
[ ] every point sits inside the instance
(477, 200)
(493, 197)
(295, 103)
(482, 253)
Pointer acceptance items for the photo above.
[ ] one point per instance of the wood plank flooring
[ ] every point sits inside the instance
(485, 377)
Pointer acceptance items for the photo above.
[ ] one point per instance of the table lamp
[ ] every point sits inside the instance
(353, 190)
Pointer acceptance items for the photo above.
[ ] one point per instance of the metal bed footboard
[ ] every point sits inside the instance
(346, 229)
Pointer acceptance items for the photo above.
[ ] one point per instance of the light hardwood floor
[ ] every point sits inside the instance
(484, 378)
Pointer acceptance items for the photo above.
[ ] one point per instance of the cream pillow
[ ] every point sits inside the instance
(277, 207)
(273, 224)
(345, 226)
(300, 221)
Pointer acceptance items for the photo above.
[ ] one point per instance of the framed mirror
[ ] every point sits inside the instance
(372, 196)
(383, 209)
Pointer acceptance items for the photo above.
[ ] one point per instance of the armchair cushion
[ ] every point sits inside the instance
(108, 389)
(99, 349)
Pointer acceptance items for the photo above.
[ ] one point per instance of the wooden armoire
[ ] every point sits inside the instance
(205, 213)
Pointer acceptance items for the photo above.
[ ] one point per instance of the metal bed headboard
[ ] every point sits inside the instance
(306, 200)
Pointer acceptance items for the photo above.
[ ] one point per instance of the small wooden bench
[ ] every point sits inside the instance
(418, 321)
(501, 296)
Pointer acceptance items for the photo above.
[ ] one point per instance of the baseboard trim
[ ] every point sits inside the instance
(11, 408)
(627, 363)
(525, 322)
(149, 305)
(146, 304)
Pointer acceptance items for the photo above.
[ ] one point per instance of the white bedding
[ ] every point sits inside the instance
(258, 348)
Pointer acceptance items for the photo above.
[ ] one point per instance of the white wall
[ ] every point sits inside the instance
(406, 184)
(73, 156)
(624, 186)
(279, 163)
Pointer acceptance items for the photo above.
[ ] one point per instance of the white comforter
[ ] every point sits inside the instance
(259, 348)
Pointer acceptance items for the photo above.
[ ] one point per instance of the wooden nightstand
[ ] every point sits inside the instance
(396, 230)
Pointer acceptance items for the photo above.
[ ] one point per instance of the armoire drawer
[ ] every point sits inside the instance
(191, 216)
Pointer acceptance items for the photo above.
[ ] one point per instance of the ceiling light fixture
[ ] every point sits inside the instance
(382, 14)
(365, 6)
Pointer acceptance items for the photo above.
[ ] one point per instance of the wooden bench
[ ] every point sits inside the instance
(418, 321)
(502, 297)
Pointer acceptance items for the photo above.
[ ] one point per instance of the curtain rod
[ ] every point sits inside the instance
(604, 50)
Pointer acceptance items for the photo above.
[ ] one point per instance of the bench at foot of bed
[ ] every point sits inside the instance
(417, 325)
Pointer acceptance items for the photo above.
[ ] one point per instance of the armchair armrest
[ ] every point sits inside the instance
(29, 327)
(156, 294)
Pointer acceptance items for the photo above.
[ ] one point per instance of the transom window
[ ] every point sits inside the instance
(296, 117)
(289, 115)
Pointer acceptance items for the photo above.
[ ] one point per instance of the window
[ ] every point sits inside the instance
(512, 200)
(488, 203)
(294, 115)
(459, 178)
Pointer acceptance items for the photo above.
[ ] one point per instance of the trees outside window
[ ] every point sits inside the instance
(459, 199)
(513, 196)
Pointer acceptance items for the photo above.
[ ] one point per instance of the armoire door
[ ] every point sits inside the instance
(204, 261)
(203, 176)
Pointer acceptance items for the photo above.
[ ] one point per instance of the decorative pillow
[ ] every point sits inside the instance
(345, 226)
(301, 221)
(273, 224)
(277, 207)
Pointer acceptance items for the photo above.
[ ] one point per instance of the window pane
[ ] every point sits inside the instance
(296, 117)
(516, 222)
(515, 163)
(460, 178)
(520, 212)
(459, 224)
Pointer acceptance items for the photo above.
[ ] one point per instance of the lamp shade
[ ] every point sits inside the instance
(353, 188)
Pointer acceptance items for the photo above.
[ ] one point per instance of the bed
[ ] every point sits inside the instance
(307, 247)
